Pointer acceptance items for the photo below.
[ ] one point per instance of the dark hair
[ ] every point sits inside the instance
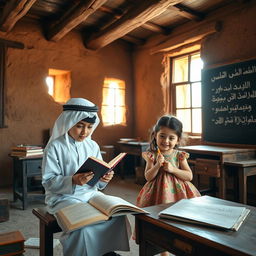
(165, 121)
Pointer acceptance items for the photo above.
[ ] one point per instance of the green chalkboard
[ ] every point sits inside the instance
(229, 103)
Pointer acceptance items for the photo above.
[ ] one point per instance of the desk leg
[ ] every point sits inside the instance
(242, 186)
(146, 249)
(24, 187)
(122, 170)
(15, 181)
(222, 183)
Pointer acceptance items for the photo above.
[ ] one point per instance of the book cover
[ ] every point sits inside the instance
(11, 243)
(214, 215)
(26, 153)
(99, 208)
(99, 167)
(26, 147)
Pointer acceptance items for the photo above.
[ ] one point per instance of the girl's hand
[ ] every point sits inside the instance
(148, 156)
(168, 167)
(107, 177)
(82, 178)
(160, 159)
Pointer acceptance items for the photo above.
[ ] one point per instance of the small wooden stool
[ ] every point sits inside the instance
(48, 226)
(244, 169)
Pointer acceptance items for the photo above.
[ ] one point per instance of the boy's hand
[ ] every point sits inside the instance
(107, 177)
(82, 178)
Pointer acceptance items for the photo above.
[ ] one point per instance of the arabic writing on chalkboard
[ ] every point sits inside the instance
(229, 96)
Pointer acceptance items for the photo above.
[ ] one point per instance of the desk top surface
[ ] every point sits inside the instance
(215, 149)
(243, 240)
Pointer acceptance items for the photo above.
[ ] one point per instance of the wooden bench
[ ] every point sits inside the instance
(244, 169)
(48, 226)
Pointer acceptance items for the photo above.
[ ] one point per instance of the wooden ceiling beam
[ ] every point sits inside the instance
(73, 18)
(148, 25)
(133, 40)
(187, 12)
(191, 35)
(154, 27)
(138, 15)
(13, 11)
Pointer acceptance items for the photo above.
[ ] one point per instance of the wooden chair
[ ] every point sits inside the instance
(243, 169)
(48, 226)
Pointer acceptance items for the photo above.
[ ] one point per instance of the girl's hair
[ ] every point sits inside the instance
(168, 121)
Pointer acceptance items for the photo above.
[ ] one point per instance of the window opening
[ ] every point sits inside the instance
(186, 91)
(58, 83)
(113, 109)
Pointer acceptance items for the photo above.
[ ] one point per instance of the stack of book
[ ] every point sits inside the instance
(12, 243)
(26, 150)
(196, 211)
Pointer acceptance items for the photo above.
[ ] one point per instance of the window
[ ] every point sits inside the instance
(58, 84)
(113, 108)
(186, 91)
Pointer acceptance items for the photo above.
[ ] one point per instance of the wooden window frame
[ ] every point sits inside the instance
(173, 88)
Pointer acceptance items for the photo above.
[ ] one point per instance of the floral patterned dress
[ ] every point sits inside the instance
(165, 187)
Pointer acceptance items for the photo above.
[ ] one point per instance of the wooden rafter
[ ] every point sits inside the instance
(13, 11)
(189, 36)
(140, 14)
(148, 25)
(133, 40)
(187, 12)
(73, 18)
(154, 27)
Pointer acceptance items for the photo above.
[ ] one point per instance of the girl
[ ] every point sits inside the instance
(167, 171)
(69, 146)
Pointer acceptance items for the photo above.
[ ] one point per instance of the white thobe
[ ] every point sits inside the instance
(60, 162)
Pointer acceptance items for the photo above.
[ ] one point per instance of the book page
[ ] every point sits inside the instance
(116, 160)
(112, 204)
(78, 215)
(213, 214)
(100, 161)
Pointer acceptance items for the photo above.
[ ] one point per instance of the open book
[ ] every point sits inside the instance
(214, 215)
(99, 167)
(100, 208)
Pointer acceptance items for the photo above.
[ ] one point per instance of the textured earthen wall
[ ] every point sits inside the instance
(235, 42)
(29, 110)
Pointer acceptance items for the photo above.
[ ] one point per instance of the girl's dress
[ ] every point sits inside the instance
(165, 187)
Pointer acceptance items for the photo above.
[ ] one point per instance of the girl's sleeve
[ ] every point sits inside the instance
(53, 178)
(183, 155)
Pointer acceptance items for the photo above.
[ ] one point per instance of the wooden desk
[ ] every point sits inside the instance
(24, 168)
(209, 160)
(155, 235)
(132, 148)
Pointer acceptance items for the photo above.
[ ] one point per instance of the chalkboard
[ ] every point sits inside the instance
(229, 103)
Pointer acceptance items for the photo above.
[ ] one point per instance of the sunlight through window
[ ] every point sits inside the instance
(186, 86)
(58, 83)
(50, 83)
(113, 105)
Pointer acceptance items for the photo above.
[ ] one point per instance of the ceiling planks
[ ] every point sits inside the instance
(187, 12)
(73, 18)
(13, 11)
(138, 15)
